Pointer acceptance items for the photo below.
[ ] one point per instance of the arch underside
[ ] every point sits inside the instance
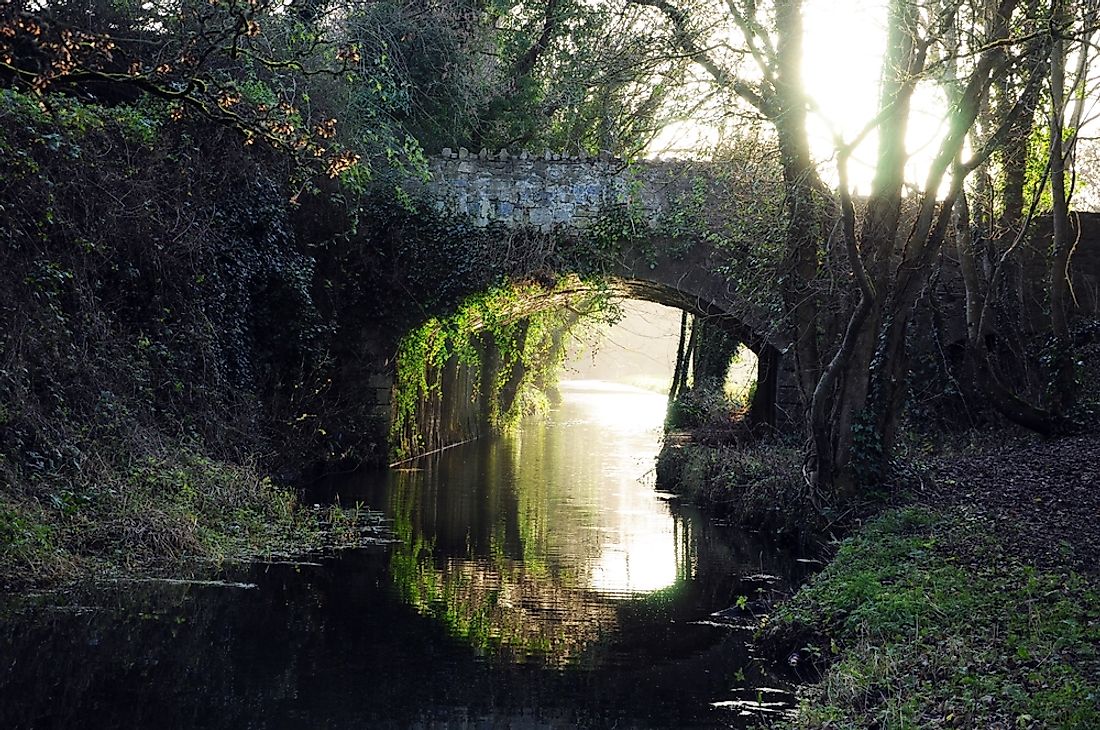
(755, 338)
(651, 291)
(766, 399)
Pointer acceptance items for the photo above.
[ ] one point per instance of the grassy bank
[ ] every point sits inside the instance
(164, 513)
(758, 483)
(926, 618)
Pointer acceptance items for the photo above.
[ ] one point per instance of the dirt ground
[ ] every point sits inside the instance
(1044, 496)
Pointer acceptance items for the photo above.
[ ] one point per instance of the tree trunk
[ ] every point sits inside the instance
(678, 372)
(802, 186)
(876, 242)
(1062, 386)
(929, 232)
(763, 407)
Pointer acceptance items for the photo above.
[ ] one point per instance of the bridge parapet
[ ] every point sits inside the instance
(551, 190)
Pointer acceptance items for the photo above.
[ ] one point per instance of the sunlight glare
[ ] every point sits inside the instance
(618, 406)
(641, 559)
(842, 71)
(842, 68)
(637, 547)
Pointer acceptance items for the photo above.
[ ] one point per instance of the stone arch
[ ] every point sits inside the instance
(552, 216)
(561, 196)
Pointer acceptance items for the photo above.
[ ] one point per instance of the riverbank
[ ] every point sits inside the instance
(169, 513)
(973, 601)
(758, 482)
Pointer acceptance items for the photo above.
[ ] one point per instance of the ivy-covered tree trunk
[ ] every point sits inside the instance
(851, 368)
(714, 351)
(516, 369)
(762, 410)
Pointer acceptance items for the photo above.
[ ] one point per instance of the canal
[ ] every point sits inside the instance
(535, 580)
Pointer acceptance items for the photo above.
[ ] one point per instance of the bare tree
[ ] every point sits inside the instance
(1070, 33)
(863, 384)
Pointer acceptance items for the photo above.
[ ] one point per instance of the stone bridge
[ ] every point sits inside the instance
(555, 193)
(552, 193)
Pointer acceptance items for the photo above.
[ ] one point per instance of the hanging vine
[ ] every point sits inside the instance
(511, 341)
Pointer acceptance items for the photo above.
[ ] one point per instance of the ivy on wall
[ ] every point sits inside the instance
(510, 339)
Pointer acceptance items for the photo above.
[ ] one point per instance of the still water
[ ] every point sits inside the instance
(536, 581)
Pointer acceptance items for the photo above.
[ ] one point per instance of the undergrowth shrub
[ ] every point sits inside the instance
(757, 483)
(159, 312)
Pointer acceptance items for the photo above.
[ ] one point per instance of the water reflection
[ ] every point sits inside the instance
(538, 581)
(532, 548)
(638, 549)
(512, 544)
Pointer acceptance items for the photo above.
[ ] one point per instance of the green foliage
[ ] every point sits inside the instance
(688, 213)
(569, 76)
(284, 75)
(705, 407)
(419, 80)
(866, 458)
(731, 207)
(27, 539)
(1036, 174)
(923, 621)
(617, 228)
(509, 341)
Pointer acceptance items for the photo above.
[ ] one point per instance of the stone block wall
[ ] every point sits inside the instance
(548, 190)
